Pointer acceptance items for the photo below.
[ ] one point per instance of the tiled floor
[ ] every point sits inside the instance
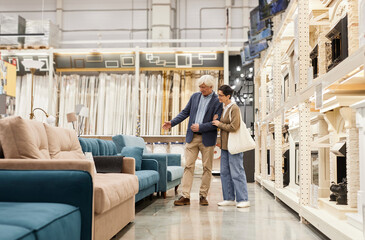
(265, 219)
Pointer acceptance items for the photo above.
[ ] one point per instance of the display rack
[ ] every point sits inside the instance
(136, 61)
(320, 112)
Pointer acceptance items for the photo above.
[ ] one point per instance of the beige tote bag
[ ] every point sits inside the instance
(240, 140)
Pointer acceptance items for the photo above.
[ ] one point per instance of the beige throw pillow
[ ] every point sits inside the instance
(63, 143)
(21, 138)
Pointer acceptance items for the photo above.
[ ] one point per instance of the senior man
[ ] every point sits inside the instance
(201, 136)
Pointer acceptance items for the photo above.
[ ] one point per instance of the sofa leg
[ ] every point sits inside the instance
(163, 194)
(151, 197)
(176, 187)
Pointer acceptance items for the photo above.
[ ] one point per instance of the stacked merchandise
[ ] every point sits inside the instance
(51, 37)
(12, 24)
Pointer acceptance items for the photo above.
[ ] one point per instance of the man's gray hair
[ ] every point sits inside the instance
(208, 80)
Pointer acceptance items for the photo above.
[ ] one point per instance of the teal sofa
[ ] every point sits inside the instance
(45, 204)
(105, 155)
(169, 165)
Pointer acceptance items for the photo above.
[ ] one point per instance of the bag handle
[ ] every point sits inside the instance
(230, 116)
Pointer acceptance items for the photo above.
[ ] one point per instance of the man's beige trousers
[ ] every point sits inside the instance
(191, 153)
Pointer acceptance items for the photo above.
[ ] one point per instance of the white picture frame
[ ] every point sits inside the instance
(127, 63)
(112, 64)
(17, 62)
(45, 67)
(188, 60)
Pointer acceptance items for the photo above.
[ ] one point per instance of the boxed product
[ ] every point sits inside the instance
(11, 24)
(50, 30)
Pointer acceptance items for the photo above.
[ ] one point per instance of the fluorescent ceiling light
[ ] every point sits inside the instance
(22, 35)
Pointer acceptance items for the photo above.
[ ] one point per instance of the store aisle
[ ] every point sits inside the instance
(265, 219)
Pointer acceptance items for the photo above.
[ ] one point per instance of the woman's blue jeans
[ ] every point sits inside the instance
(233, 176)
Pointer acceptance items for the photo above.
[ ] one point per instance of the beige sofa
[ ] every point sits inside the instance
(33, 145)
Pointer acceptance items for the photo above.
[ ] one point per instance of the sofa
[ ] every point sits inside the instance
(33, 208)
(169, 165)
(147, 173)
(31, 145)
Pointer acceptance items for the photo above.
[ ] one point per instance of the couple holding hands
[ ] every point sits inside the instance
(209, 111)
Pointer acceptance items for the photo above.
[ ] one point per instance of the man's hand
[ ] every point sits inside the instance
(215, 117)
(216, 122)
(195, 127)
(166, 125)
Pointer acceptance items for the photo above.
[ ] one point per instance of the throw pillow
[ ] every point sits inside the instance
(21, 138)
(134, 152)
(63, 143)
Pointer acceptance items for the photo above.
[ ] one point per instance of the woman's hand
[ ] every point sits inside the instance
(216, 122)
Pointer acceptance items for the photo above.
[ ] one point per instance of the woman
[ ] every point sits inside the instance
(233, 176)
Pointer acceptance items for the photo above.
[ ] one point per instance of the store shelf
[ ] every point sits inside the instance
(339, 211)
(356, 220)
(340, 101)
(341, 72)
(258, 179)
(269, 185)
(322, 219)
(333, 228)
(289, 198)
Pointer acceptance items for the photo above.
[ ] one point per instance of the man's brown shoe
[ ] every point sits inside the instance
(182, 201)
(203, 201)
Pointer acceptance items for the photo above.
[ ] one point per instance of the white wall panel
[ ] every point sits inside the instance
(237, 17)
(116, 15)
(96, 20)
(212, 18)
(17, 5)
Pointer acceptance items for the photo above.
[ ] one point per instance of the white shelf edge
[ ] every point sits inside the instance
(333, 228)
(289, 198)
(269, 185)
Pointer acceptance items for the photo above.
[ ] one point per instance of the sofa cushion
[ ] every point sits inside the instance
(134, 152)
(174, 172)
(47, 220)
(10, 232)
(147, 178)
(112, 189)
(107, 148)
(21, 138)
(89, 145)
(63, 143)
(122, 141)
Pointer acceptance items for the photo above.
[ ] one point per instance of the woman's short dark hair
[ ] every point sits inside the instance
(227, 90)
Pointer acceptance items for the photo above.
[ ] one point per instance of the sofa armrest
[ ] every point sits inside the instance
(129, 165)
(69, 187)
(149, 164)
(161, 158)
(173, 159)
(48, 164)
(108, 164)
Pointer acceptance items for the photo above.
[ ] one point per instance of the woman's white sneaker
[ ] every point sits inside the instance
(243, 204)
(227, 203)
